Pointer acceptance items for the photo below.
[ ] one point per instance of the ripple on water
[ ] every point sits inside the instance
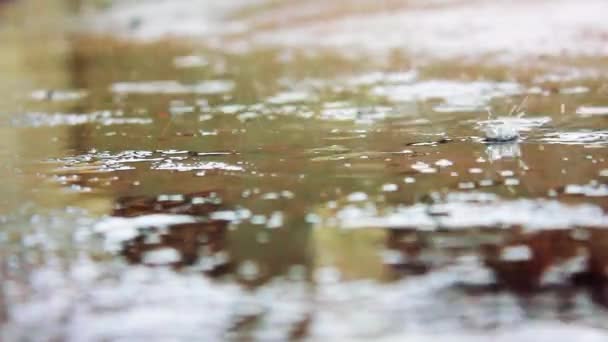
(208, 87)
(592, 110)
(592, 189)
(58, 95)
(474, 210)
(498, 151)
(106, 118)
(587, 137)
(173, 160)
(520, 123)
(376, 78)
(291, 97)
(191, 61)
(200, 166)
(365, 114)
(454, 94)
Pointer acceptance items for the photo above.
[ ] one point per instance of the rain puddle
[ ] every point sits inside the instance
(225, 188)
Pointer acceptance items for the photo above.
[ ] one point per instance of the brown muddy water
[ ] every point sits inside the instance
(173, 191)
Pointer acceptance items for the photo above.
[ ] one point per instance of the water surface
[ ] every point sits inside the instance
(174, 190)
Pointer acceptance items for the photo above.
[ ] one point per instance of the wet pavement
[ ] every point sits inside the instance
(207, 189)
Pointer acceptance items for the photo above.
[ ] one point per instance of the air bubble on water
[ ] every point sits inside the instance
(390, 187)
(287, 194)
(511, 181)
(270, 196)
(507, 173)
(466, 185)
(249, 270)
(486, 182)
(170, 198)
(313, 218)
(276, 220)
(357, 197)
(444, 163)
(258, 219)
(423, 167)
(191, 61)
(204, 133)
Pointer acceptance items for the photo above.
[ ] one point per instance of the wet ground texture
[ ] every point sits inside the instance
(248, 188)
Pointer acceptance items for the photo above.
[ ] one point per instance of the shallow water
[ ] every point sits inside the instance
(170, 190)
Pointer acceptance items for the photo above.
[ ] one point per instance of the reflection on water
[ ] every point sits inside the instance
(497, 151)
(173, 191)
